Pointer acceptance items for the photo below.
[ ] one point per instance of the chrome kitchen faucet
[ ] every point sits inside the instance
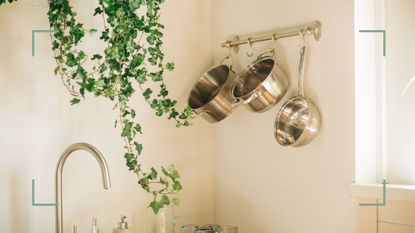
(58, 178)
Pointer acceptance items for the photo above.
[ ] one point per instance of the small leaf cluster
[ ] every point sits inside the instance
(132, 61)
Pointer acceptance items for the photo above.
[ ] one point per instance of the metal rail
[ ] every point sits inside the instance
(311, 29)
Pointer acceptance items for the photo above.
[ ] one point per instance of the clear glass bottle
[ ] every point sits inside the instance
(165, 220)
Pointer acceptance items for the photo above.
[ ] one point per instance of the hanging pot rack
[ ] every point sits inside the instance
(311, 29)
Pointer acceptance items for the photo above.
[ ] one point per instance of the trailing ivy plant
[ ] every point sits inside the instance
(133, 60)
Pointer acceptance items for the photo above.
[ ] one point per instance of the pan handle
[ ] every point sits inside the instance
(301, 68)
(271, 50)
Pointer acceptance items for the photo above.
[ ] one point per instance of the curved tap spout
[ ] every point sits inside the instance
(58, 178)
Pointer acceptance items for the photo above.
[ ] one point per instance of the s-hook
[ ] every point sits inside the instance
(302, 37)
(274, 46)
(228, 56)
(250, 53)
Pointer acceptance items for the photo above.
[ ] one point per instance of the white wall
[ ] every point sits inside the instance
(259, 185)
(37, 123)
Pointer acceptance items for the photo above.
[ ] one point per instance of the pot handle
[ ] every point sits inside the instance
(252, 97)
(228, 57)
(301, 67)
(204, 111)
(236, 103)
(261, 54)
(271, 50)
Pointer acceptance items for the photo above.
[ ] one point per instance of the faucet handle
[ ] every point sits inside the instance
(75, 229)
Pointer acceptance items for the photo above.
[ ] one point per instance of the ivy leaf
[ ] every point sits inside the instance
(75, 101)
(138, 60)
(172, 172)
(77, 33)
(129, 156)
(82, 91)
(126, 131)
(153, 173)
(155, 206)
(170, 66)
(97, 11)
(105, 35)
(133, 114)
(176, 201)
(165, 201)
(154, 104)
(71, 60)
(151, 39)
(55, 45)
(138, 147)
(56, 70)
(131, 161)
(153, 61)
(96, 57)
(144, 184)
(177, 186)
(159, 113)
(147, 93)
(137, 128)
(141, 76)
(156, 76)
(92, 31)
(81, 56)
(164, 92)
(173, 114)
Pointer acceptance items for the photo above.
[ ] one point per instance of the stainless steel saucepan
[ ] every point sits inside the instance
(262, 84)
(298, 121)
(211, 96)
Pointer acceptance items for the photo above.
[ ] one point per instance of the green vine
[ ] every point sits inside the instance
(4, 1)
(133, 59)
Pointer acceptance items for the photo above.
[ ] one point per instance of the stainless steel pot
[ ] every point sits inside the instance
(298, 121)
(262, 84)
(211, 96)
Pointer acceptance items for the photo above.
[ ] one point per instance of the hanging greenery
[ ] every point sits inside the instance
(4, 1)
(133, 60)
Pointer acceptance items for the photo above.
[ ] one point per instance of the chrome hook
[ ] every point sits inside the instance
(274, 44)
(228, 44)
(251, 52)
(274, 38)
(302, 36)
(228, 56)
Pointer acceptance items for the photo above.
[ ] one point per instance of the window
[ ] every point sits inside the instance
(385, 112)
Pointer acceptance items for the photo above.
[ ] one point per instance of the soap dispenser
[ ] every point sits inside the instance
(94, 228)
(122, 226)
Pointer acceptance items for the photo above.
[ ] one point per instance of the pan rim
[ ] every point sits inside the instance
(222, 86)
